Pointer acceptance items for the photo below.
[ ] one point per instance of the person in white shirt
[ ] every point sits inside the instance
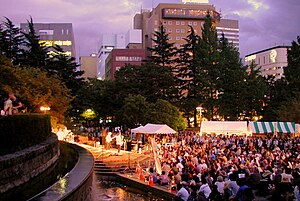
(205, 187)
(108, 140)
(182, 194)
(119, 141)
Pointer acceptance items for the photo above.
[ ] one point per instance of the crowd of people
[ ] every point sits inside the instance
(217, 168)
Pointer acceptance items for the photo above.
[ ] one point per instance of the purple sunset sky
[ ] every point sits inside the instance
(263, 23)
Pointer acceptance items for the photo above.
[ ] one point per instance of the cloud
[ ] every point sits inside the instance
(263, 23)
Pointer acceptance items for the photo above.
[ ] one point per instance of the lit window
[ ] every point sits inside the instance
(67, 31)
(62, 32)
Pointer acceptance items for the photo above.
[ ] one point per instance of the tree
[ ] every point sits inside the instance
(134, 111)
(10, 41)
(36, 88)
(290, 111)
(163, 112)
(254, 97)
(186, 76)
(292, 71)
(65, 68)
(163, 52)
(35, 53)
(208, 72)
(149, 80)
(231, 84)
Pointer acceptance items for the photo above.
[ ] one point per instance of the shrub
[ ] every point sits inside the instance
(18, 132)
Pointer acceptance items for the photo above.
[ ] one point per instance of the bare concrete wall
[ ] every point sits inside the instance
(19, 167)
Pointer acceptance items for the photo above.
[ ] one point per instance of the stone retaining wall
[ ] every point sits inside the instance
(19, 167)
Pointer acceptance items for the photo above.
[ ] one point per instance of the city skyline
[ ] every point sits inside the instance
(263, 23)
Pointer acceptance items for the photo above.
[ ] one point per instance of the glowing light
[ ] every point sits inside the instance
(273, 55)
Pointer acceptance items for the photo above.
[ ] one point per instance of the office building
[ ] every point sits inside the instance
(120, 57)
(130, 40)
(89, 65)
(176, 19)
(52, 34)
(271, 61)
(230, 29)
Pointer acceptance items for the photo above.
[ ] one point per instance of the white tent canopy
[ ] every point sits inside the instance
(136, 130)
(224, 127)
(154, 129)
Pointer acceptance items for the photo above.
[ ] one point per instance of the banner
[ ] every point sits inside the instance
(156, 156)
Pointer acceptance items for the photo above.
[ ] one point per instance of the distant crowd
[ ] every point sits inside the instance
(218, 168)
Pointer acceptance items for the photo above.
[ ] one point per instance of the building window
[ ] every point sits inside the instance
(177, 37)
(182, 30)
(182, 23)
(170, 38)
(170, 30)
(62, 32)
(155, 22)
(195, 23)
(190, 23)
(177, 45)
(165, 22)
(177, 23)
(67, 31)
(169, 22)
(177, 30)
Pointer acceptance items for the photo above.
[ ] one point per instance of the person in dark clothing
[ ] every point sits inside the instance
(16, 103)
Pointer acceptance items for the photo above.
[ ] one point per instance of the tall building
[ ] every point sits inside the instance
(52, 34)
(230, 29)
(119, 57)
(89, 65)
(132, 40)
(176, 18)
(271, 61)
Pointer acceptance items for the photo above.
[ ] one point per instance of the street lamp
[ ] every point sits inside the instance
(199, 108)
(45, 109)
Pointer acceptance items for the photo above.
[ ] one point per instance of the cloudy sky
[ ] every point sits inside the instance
(263, 23)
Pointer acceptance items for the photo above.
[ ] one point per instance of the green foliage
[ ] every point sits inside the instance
(163, 112)
(231, 83)
(21, 131)
(290, 111)
(163, 52)
(149, 80)
(10, 41)
(36, 88)
(35, 55)
(134, 111)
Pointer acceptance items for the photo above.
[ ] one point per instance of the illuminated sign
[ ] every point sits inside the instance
(189, 13)
(50, 43)
(250, 58)
(126, 58)
(194, 1)
(52, 53)
(273, 55)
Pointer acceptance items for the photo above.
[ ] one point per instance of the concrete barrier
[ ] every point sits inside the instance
(77, 184)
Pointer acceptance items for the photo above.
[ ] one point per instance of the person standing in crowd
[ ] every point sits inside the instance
(108, 140)
(119, 141)
(182, 194)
